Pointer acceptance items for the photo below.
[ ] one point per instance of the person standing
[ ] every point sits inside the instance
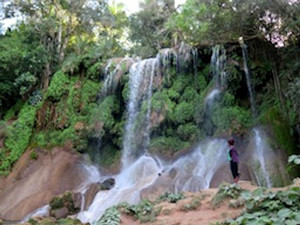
(234, 160)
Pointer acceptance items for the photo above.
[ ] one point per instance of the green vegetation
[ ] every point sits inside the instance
(17, 137)
(111, 216)
(194, 204)
(145, 211)
(52, 62)
(171, 197)
(264, 208)
(226, 191)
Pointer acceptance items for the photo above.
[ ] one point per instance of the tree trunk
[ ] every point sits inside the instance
(46, 77)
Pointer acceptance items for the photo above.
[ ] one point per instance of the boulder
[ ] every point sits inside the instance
(108, 184)
(90, 194)
(173, 173)
(60, 213)
(67, 204)
(33, 183)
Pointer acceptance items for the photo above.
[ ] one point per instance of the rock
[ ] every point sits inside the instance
(60, 213)
(161, 185)
(108, 184)
(32, 184)
(223, 174)
(90, 194)
(69, 201)
(173, 173)
(77, 199)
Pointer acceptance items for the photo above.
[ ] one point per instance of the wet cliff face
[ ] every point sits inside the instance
(33, 183)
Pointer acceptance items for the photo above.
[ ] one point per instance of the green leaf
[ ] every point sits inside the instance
(284, 213)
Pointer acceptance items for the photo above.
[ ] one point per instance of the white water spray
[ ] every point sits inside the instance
(248, 75)
(195, 171)
(129, 183)
(137, 129)
(263, 177)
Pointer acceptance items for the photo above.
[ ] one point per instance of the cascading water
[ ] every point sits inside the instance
(217, 66)
(139, 170)
(248, 75)
(129, 183)
(112, 77)
(194, 172)
(263, 177)
(137, 129)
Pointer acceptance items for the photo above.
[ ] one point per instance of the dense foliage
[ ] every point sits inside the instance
(264, 207)
(52, 65)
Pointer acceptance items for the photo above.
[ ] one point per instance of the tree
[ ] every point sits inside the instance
(22, 60)
(57, 23)
(147, 27)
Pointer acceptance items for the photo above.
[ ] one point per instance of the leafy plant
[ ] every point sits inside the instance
(58, 86)
(144, 211)
(294, 159)
(111, 216)
(264, 208)
(18, 137)
(226, 191)
(192, 205)
(171, 197)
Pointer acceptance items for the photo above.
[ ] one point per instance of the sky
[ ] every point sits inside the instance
(132, 6)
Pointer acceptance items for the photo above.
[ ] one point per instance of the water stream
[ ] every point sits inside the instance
(248, 77)
(137, 129)
(261, 173)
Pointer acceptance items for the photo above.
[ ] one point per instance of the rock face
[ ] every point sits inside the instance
(64, 205)
(95, 188)
(223, 174)
(108, 184)
(33, 183)
(90, 194)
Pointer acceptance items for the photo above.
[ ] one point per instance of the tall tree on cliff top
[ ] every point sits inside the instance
(223, 21)
(147, 27)
(56, 22)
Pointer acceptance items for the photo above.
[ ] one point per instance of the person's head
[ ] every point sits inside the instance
(231, 142)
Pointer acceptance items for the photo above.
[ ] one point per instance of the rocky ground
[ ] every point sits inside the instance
(196, 208)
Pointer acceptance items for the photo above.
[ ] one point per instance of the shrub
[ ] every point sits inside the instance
(104, 112)
(58, 87)
(33, 155)
(193, 205)
(264, 207)
(18, 136)
(12, 112)
(184, 112)
(188, 132)
(144, 211)
(171, 197)
(167, 145)
(231, 118)
(226, 191)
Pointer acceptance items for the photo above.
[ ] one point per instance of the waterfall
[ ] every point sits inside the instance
(137, 129)
(140, 170)
(112, 77)
(217, 67)
(218, 64)
(248, 76)
(129, 183)
(262, 176)
(196, 170)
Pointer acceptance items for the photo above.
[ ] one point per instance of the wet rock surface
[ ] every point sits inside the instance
(33, 183)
